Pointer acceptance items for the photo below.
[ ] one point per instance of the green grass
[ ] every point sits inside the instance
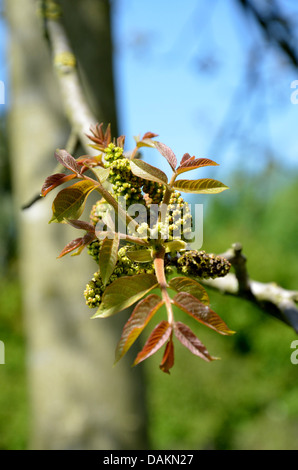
(14, 413)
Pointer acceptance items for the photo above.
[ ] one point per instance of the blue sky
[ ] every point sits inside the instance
(178, 66)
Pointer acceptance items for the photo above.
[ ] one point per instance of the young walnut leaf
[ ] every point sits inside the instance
(79, 243)
(186, 284)
(53, 181)
(148, 172)
(70, 202)
(108, 256)
(140, 256)
(124, 292)
(200, 186)
(168, 357)
(67, 161)
(202, 313)
(186, 337)
(167, 153)
(192, 164)
(140, 317)
(156, 340)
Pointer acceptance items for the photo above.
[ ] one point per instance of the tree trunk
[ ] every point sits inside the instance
(79, 401)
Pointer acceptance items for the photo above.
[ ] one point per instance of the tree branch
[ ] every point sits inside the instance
(269, 297)
(65, 65)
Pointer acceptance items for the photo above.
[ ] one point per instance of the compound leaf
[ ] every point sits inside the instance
(124, 292)
(202, 313)
(140, 317)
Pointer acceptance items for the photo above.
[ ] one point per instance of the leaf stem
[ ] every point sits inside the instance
(159, 266)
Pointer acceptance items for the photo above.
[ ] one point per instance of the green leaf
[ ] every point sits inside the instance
(70, 202)
(139, 318)
(186, 284)
(148, 172)
(101, 173)
(167, 153)
(108, 256)
(175, 245)
(202, 313)
(200, 186)
(192, 164)
(156, 340)
(124, 292)
(186, 337)
(140, 256)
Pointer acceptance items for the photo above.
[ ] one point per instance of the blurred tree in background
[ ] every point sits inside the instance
(75, 399)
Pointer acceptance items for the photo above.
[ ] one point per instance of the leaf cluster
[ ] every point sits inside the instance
(121, 286)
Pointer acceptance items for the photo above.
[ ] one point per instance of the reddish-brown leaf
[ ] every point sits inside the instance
(186, 157)
(67, 160)
(81, 224)
(167, 153)
(186, 337)
(156, 340)
(55, 180)
(168, 357)
(202, 313)
(192, 164)
(78, 243)
(149, 135)
(140, 317)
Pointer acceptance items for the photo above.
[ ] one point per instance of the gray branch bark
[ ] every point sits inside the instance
(269, 297)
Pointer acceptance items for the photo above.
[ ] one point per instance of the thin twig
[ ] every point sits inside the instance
(269, 297)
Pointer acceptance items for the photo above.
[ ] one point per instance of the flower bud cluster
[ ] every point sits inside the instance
(202, 265)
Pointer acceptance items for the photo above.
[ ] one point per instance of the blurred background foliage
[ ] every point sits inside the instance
(246, 400)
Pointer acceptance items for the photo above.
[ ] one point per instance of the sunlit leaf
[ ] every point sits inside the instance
(186, 284)
(200, 186)
(156, 340)
(101, 174)
(124, 292)
(167, 153)
(67, 160)
(192, 164)
(70, 202)
(108, 256)
(140, 317)
(202, 313)
(186, 337)
(55, 180)
(140, 256)
(168, 357)
(175, 245)
(148, 172)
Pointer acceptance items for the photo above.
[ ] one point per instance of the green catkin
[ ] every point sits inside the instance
(202, 265)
